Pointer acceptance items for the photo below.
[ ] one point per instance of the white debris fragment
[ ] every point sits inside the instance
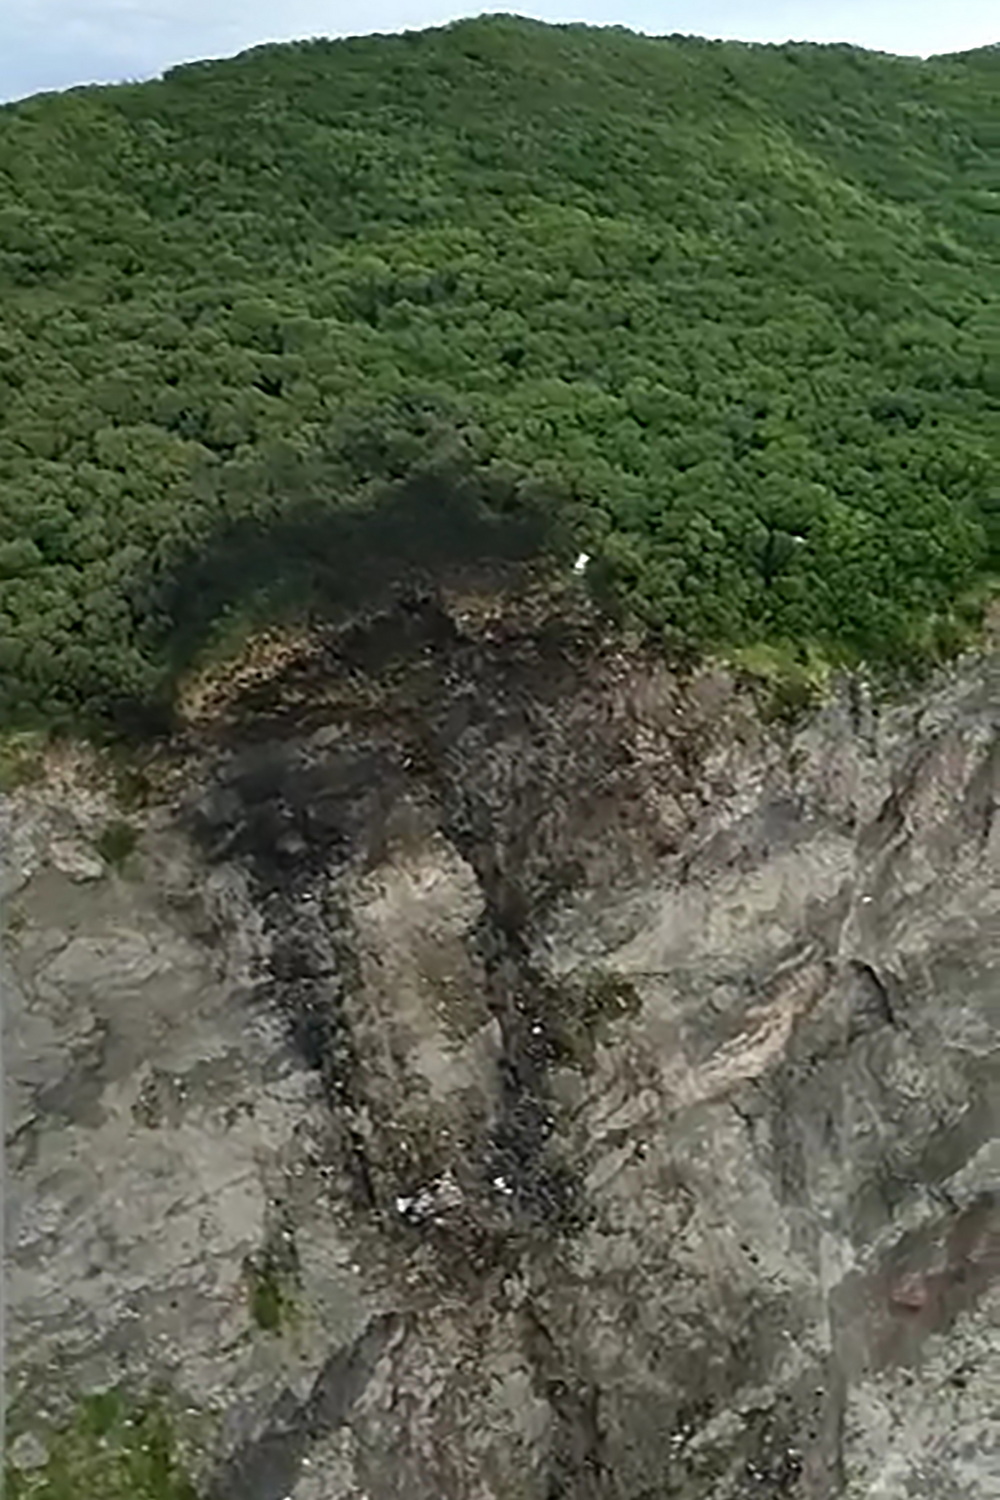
(580, 566)
(436, 1197)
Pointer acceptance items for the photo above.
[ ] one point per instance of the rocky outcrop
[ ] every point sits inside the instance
(591, 1088)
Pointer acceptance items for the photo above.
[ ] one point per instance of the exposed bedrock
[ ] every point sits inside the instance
(601, 1083)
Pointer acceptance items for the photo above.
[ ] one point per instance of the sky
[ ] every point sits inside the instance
(53, 44)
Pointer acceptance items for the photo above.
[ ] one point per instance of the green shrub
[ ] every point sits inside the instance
(116, 843)
(272, 1281)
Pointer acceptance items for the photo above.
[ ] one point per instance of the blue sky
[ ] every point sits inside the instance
(52, 44)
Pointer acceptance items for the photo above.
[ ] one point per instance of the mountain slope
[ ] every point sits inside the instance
(728, 313)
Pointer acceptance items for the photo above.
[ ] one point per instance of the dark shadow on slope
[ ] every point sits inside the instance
(268, 1466)
(318, 563)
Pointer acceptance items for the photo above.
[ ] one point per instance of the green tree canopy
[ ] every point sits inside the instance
(730, 311)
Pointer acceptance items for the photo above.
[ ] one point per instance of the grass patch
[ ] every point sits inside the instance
(22, 759)
(111, 1450)
(272, 1282)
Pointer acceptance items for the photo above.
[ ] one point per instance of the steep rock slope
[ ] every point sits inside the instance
(591, 1089)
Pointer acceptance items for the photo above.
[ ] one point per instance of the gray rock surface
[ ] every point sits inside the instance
(610, 1078)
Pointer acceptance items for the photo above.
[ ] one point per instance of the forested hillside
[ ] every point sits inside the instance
(727, 316)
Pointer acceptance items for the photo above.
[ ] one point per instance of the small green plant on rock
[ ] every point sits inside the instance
(582, 1007)
(272, 1283)
(116, 843)
(111, 1450)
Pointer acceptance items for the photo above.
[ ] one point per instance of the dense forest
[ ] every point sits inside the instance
(724, 316)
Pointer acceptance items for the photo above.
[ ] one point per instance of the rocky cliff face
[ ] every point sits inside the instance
(507, 1069)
